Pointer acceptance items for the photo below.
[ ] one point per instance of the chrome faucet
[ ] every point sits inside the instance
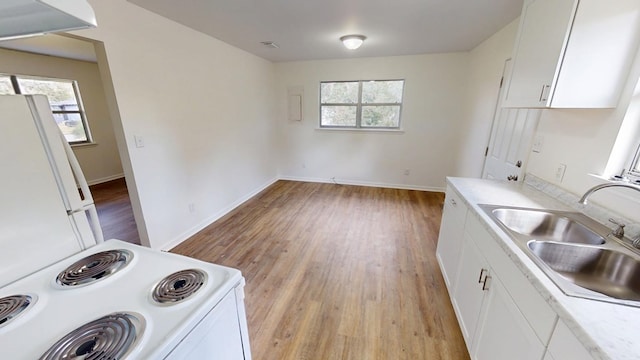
(583, 199)
(619, 232)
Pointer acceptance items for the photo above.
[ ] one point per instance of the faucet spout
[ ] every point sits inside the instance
(583, 199)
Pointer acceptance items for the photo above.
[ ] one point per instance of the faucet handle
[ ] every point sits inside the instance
(619, 231)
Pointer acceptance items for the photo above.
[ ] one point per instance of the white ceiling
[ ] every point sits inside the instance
(55, 45)
(309, 29)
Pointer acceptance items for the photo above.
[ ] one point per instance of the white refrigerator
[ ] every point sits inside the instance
(46, 209)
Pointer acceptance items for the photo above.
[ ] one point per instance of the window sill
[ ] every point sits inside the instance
(81, 145)
(627, 179)
(392, 131)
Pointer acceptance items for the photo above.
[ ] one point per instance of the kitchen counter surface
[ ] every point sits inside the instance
(607, 331)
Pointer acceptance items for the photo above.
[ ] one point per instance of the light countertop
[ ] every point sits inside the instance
(607, 331)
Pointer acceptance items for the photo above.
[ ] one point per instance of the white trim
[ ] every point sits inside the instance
(210, 220)
(105, 179)
(365, 183)
(367, 129)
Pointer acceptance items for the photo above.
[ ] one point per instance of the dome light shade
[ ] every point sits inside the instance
(352, 42)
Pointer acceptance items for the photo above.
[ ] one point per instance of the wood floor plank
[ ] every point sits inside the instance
(114, 211)
(338, 272)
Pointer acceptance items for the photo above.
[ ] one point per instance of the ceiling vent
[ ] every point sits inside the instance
(270, 44)
(22, 18)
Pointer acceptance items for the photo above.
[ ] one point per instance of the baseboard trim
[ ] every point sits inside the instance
(210, 220)
(365, 183)
(105, 179)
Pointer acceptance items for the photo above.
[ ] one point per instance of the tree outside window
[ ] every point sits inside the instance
(64, 99)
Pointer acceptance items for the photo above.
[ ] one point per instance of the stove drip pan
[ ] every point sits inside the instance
(110, 337)
(178, 286)
(12, 307)
(94, 267)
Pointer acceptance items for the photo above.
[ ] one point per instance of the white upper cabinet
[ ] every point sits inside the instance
(573, 53)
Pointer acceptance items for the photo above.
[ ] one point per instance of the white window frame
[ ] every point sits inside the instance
(359, 105)
(81, 112)
(634, 169)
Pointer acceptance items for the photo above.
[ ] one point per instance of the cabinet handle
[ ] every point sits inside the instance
(453, 202)
(485, 287)
(482, 271)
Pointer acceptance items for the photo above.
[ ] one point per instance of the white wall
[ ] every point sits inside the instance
(204, 110)
(99, 162)
(433, 110)
(486, 67)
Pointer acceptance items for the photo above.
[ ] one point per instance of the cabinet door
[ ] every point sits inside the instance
(544, 29)
(503, 332)
(450, 238)
(565, 346)
(468, 294)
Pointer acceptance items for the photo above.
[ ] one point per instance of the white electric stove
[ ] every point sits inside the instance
(116, 300)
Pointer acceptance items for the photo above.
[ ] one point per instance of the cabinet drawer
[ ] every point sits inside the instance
(532, 305)
(453, 205)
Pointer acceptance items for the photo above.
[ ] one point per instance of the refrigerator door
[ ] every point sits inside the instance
(72, 184)
(35, 229)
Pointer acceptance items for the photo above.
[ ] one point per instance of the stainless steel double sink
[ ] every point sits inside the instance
(574, 251)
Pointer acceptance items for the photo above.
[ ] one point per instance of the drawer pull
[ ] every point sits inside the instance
(482, 271)
(485, 287)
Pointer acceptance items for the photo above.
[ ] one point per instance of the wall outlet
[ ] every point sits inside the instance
(537, 144)
(139, 141)
(192, 208)
(407, 172)
(560, 172)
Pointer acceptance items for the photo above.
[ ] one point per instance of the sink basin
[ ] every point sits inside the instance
(545, 225)
(574, 251)
(601, 270)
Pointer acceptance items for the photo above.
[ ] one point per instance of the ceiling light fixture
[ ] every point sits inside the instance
(352, 42)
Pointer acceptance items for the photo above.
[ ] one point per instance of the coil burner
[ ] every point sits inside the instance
(94, 267)
(110, 337)
(12, 307)
(178, 286)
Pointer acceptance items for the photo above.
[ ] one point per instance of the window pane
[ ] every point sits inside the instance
(381, 116)
(62, 97)
(338, 116)
(382, 92)
(339, 93)
(5, 85)
(71, 126)
(58, 92)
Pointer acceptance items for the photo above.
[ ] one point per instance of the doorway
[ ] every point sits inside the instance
(77, 59)
(511, 138)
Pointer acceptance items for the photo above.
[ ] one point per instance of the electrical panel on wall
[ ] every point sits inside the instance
(295, 96)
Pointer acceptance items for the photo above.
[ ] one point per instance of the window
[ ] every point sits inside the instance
(361, 104)
(64, 99)
(634, 171)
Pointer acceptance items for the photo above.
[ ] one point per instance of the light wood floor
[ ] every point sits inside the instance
(338, 272)
(114, 211)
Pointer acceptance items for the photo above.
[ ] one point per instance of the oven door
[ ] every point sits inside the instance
(217, 336)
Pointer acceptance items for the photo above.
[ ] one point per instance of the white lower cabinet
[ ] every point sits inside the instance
(503, 332)
(565, 346)
(493, 324)
(450, 239)
(468, 294)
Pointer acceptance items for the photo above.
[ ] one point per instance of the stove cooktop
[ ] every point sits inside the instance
(164, 295)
